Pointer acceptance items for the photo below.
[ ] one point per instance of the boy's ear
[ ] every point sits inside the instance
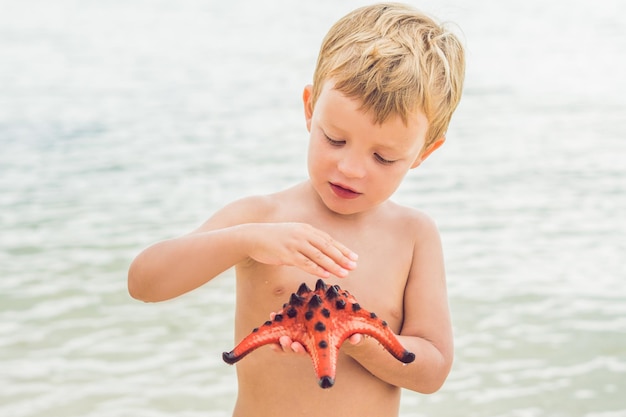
(429, 149)
(308, 105)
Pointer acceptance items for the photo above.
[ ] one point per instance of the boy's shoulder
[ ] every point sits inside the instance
(408, 216)
(253, 208)
(256, 208)
(410, 222)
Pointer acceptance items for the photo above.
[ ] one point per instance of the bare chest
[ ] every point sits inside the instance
(378, 284)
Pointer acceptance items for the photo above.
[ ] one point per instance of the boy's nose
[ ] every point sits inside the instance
(352, 166)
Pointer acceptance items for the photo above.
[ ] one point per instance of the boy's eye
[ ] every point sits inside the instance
(334, 142)
(383, 160)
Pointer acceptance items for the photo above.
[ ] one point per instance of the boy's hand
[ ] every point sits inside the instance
(285, 344)
(300, 245)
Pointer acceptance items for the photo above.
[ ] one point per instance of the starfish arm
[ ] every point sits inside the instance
(379, 330)
(264, 335)
(324, 351)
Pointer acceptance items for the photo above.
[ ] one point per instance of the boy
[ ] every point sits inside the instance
(387, 81)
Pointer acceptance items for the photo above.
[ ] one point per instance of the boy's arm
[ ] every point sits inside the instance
(238, 232)
(175, 266)
(426, 330)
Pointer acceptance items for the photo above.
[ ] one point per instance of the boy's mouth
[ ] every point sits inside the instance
(343, 191)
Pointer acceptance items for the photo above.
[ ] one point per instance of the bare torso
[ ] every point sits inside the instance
(275, 384)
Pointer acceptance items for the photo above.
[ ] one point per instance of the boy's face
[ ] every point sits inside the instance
(354, 163)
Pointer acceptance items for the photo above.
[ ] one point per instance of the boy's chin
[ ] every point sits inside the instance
(343, 208)
(338, 205)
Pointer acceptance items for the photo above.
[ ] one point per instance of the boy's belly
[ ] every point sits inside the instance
(273, 384)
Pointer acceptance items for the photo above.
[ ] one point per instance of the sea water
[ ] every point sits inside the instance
(127, 122)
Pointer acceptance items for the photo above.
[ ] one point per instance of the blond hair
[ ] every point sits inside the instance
(395, 60)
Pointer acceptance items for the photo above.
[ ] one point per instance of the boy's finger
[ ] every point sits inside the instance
(347, 253)
(297, 347)
(288, 345)
(342, 249)
(339, 253)
(285, 342)
(356, 338)
(324, 261)
(308, 265)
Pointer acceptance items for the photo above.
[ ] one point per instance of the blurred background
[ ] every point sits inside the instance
(127, 122)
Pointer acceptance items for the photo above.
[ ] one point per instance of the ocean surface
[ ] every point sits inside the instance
(127, 122)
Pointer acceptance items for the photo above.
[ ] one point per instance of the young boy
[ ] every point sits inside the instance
(387, 81)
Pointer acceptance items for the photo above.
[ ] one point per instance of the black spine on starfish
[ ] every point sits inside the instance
(315, 301)
(320, 285)
(303, 289)
(296, 300)
(332, 293)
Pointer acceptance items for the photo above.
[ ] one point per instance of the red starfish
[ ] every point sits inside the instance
(321, 320)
